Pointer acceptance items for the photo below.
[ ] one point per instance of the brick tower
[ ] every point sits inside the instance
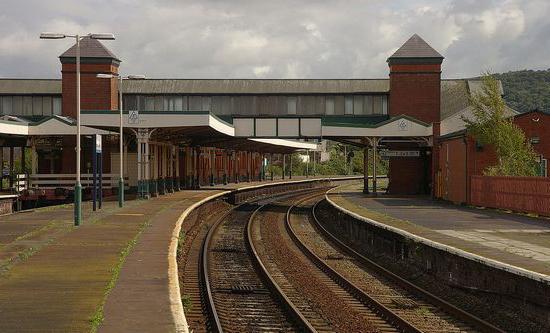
(95, 93)
(415, 91)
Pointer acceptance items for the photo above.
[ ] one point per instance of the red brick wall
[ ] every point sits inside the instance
(415, 91)
(407, 175)
(481, 158)
(521, 194)
(536, 124)
(95, 93)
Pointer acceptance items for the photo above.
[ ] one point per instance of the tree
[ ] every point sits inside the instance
(490, 126)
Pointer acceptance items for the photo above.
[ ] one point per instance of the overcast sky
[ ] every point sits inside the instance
(277, 39)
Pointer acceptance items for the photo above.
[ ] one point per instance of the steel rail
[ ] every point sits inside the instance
(289, 306)
(205, 281)
(214, 319)
(469, 318)
(387, 314)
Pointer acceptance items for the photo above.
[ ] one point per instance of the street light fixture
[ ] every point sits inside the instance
(78, 185)
(121, 137)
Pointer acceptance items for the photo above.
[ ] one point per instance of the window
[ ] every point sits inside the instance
(368, 105)
(56, 106)
(178, 103)
(377, 104)
(535, 140)
(384, 104)
(195, 103)
(291, 105)
(130, 102)
(159, 103)
(149, 103)
(348, 106)
(173, 103)
(206, 103)
(358, 104)
(47, 106)
(36, 105)
(7, 105)
(329, 105)
(140, 103)
(17, 105)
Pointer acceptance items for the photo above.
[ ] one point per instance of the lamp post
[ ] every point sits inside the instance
(121, 136)
(78, 185)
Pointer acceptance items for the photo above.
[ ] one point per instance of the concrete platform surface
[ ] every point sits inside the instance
(55, 277)
(513, 239)
(111, 273)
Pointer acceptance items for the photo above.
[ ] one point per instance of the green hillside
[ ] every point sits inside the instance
(527, 89)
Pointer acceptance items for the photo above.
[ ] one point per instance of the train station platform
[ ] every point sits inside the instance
(111, 273)
(509, 241)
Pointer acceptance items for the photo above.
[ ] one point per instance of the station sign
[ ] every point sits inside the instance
(400, 153)
(98, 143)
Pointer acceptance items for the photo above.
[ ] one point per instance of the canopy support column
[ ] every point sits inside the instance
(307, 164)
(374, 144)
(366, 170)
(314, 162)
(290, 171)
(284, 165)
(142, 137)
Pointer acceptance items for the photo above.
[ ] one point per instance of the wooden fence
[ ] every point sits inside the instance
(520, 194)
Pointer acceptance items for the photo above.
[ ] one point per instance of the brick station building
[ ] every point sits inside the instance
(462, 157)
(195, 132)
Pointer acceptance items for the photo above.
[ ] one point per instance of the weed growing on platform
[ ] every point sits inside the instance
(97, 317)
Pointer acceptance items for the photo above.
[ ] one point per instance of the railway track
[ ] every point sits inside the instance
(271, 266)
(238, 298)
(385, 291)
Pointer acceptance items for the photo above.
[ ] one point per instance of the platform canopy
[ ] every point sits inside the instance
(197, 128)
(50, 125)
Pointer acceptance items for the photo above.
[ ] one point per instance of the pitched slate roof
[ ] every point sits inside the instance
(416, 47)
(30, 86)
(254, 86)
(90, 48)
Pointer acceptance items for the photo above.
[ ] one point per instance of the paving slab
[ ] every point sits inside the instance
(55, 277)
(61, 284)
(514, 239)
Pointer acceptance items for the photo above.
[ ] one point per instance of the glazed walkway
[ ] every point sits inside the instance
(517, 240)
(110, 273)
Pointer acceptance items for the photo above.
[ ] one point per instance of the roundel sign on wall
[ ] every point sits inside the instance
(402, 125)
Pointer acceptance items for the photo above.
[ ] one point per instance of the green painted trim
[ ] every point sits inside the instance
(230, 124)
(351, 121)
(52, 117)
(354, 121)
(13, 123)
(225, 118)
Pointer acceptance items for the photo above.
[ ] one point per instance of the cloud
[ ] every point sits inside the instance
(276, 39)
